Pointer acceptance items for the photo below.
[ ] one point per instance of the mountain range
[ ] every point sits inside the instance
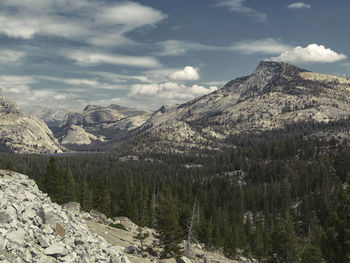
(275, 95)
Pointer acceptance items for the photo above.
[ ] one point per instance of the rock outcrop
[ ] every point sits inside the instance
(22, 133)
(33, 229)
(77, 135)
(105, 125)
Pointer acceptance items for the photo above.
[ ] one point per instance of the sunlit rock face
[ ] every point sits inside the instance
(23, 133)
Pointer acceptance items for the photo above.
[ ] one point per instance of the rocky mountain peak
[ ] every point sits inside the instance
(8, 106)
(91, 107)
(276, 68)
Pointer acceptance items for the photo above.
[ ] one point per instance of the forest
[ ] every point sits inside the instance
(281, 196)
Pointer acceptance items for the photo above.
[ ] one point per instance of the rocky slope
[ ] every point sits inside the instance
(20, 132)
(100, 124)
(32, 229)
(275, 95)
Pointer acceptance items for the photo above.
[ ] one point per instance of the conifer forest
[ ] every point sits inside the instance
(282, 196)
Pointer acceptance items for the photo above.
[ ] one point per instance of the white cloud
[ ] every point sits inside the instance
(313, 53)
(83, 82)
(120, 78)
(299, 5)
(10, 57)
(180, 47)
(18, 88)
(240, 7)
(261, 46)
(96, 22)
(130, 14)
(172, 92)
(200, 90)
(188, 73)
(85, 58)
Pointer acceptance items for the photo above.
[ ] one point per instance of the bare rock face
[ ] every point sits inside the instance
(275, 95)
(22, 133)
(103, 124)
(95, 115)
(32, 229)
(77, 135)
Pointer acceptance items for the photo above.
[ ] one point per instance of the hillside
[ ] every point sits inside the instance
(99, 125)
(274, 96)
(22, 133)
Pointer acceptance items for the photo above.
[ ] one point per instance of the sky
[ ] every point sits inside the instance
(65, 54)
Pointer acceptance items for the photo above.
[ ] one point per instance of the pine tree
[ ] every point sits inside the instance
(101, 200)
(336, 241)
(167, 216)
(141, 235)
(60, 187)
(70, 187)
(125, 203)
(85, 197)
(51, 179)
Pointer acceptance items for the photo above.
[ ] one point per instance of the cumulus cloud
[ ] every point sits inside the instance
(261, 46)
(239, 6)
(299, 5)
(18, 88)
(85, 58)
(96, 22)
(130, 14)
(188, 73)
(313, 53)
(171, 91)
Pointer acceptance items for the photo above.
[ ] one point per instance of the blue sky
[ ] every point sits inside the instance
(67, 54)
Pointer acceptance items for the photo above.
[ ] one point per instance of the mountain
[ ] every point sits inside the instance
(273, 96)
(22, 133)
(100, 125)
(49, 116)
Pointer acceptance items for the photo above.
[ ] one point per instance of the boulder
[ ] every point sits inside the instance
(56, 250)
(98, 216)
(124, 259)
(4, 218)
(184, 259)
(43, 242)
(132, 250)
(168, 260)
(60, 230)
(73, 207)
(17, 236)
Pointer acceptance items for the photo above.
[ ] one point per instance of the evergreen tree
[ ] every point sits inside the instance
(141, 235)
(70, 187)
(101, 200)
(60, 187)
(167, 216)
(85, 197)
(51, 179)
(336, 241)
(125, 203)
